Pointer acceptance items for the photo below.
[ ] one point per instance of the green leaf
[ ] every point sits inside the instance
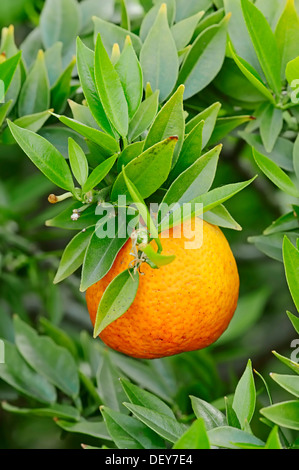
(112, 33)
(206, 54)
(270, 126)
(284, 223)
(45, 156)
(209, 116)
(7, 72)
(294, 366)
(108, 383)
(239, 35)
(275, 174)
(53, 61)
(287, 35)
(35, 93)
(73, 254)
(213, 418)
(130, 74)
(295, 321)
(288, 382)
(169, 122)
(141, 397)
(271, 244)
(292, 70)
(101, 252)
(166, 427)
(157, 258)
(194, 438)
(291, 265)
(284, 414)
(96, 429)
(130, 152)
(151, 15)
(230, 438)
(63, 220)
(148, 171)
(273, 441)
(99, 173)
(60, 21)
(61, 89)
(224, 126)
(93, 7)
(193, 182)
(245, 396)
(190, 152)
(144, 116)
(32, 122)
(4, 109)
(50, 360)
(85, 65)
(282, 152)
(264, 44)
(159, 59)
(107, 143)
(185, 9)
(221, 217)
(231, 417)
(128, 432)
(53, 411)
(110, 89)
(125, 19)
(183, 30)
(116, 300)
(18, 374)
(78, 161)
(252, 75)
(203, 203)
(82, 114)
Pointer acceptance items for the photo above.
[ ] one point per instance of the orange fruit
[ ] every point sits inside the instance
(183, 306)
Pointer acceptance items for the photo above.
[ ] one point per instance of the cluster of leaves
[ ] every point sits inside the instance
(127, 131)
(260, 75)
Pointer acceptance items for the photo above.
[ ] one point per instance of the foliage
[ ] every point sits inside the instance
(104, 108)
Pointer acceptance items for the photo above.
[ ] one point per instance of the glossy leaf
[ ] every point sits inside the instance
(207, 53)
(152, 14)
(18, 374)
(112, 33)
(273, 441)
(270, 126)
(291, 265)
(110, 89)
(169, 122)
(264, 43)
(130, 74)
(116, 300)
(287, 35)
(94, 428)
(144, 116)
(221, 217)
(183, 30)
(209, 116)
(224, 126)
(73, 254)
(148, 171)
(213, 418)
(284, 414)
(61, 89)
(45, 156)
(157, 258)
(99, 173)
(166, 427)
(78, 161)
(231, 438)
(53, 411)
(159, 59)
(7, 71)
(35, 94)
(294, 320)
(106, 142)
(194, 438)
(288, 382)
(101, 252)
(129, 433)
(275, 174)
(32, 122)
(50, 360)
(245, 396)
(85, 65)
(294, 366)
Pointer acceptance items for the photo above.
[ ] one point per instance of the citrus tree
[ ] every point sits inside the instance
(149, 122)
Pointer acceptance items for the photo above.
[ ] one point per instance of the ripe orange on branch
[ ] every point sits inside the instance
(181, 307)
